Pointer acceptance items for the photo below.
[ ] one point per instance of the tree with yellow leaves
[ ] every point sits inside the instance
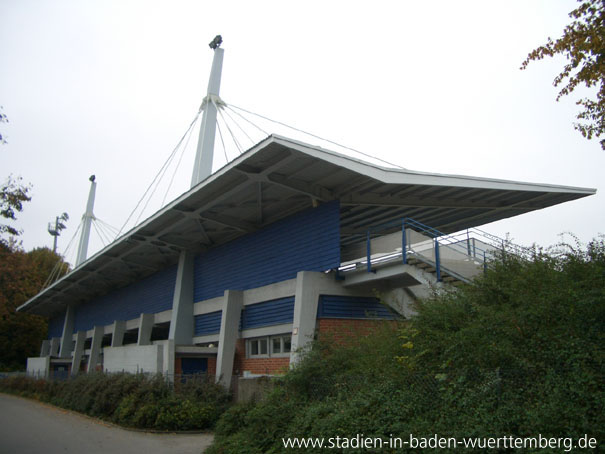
(583, 44)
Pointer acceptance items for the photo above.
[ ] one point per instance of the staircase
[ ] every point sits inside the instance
(453, 258)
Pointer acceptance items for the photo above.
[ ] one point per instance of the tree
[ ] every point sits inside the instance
(3, 119)
(13, 194)
(583, 44)
(22, 275)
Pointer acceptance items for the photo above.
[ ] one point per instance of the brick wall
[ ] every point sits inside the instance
(257, 365)
(212, 365)
(341, 330)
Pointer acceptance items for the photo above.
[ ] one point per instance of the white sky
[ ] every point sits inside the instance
(108, 87)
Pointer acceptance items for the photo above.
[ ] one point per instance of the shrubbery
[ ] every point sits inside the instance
(141, 401)
(520, 352)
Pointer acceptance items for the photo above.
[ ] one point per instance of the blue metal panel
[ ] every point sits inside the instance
(275, 312)
(307, 241)
(150, 295)
(55, 326)
(352, 307)
(208, 323)
(191, 366)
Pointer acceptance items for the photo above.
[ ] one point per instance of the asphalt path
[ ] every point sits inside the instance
(27, 426)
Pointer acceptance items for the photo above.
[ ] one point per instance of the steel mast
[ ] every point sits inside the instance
(202, 167)
(87, 219)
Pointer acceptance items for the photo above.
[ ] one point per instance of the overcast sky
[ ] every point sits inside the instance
(109, 87)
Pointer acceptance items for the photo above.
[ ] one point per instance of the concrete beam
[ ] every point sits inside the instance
(181, 324)
(306, 300)
(55, 344)
(78, 352)
(232, 309)
(145, 328)
(45, 349)
(95, 348)
(68, 329)
(117, 338)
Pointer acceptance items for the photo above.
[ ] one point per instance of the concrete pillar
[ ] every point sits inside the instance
(68, 331)
(78, 352)
(145, 328)
(55, 343)
(233, 302)
(305, 311)
(95, 348)
(181, 324)
(45, 349)
(117, 338)
(168, 361)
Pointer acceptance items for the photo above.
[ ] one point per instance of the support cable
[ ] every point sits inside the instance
(103, 240)
(317, 137)
(160, 172)
(239, 147)
(103, 232)
(252, 141)
(245, 119)
(52, 277)
(220, 134)
(178, 164)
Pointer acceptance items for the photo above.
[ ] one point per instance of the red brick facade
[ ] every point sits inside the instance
(340, 330)
(335, 329)
(267, 366)
(212, 365)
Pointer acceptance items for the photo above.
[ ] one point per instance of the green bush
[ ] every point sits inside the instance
(132, 400)
(519, 352)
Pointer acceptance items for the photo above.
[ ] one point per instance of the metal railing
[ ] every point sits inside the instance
(461, 255)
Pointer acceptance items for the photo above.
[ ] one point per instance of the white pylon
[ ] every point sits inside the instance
(87, 217)
(202, 167)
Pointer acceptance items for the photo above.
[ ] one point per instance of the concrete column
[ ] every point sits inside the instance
(233, 302)
(95, 348)
(68, 331)
(55, 343)
(145, 328)
(78, 352)
(168, 361)
(305, 311)
(181, 324)
(45, 349)
(117, 338)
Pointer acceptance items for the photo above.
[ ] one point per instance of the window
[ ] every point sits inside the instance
(270, 346)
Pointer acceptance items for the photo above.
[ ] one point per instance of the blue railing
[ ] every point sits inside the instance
(462, 244)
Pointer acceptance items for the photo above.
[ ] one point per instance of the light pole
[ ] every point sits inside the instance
(56, 230)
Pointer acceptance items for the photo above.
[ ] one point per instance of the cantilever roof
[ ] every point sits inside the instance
(279, 177)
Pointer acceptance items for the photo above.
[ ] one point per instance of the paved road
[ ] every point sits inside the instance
(28, 427)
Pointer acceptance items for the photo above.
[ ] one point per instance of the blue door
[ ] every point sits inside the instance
(191, 366)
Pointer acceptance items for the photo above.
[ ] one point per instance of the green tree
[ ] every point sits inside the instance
(22, 275)
(583, 44)
(13, 194)
(520, 351)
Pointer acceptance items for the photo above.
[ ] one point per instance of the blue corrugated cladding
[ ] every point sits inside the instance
(55, 326)
(274, 312)
(208, 323)
(150, 295)
(307, 241)
(352, 307)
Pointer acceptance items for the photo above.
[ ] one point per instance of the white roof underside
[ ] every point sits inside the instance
(277, 178)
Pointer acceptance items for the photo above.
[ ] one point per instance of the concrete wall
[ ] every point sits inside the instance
(253, 388)
(134, 358)
(38, 367)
